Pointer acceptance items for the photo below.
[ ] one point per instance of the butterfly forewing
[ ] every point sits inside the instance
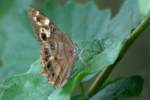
(57, 50)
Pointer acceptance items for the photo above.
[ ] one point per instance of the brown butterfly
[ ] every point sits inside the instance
(57, 50)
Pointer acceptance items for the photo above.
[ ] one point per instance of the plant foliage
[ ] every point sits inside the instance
(100, 41)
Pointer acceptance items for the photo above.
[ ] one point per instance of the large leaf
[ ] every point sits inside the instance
(121, 89)
(117, 90)
(28, 86)
(99, 40)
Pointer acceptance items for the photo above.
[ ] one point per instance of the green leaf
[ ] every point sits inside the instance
(126, 26)
(28, 86)
(121, 89)
(99, 39)
(2, 89)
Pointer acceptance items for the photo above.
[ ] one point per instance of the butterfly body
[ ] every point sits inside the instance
(57, 50)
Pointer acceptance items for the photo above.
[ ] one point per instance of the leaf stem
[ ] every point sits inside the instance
(102, 76)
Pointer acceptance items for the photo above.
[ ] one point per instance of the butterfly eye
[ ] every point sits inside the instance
(43, 36)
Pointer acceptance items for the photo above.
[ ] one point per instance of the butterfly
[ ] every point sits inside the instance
(57, 52)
